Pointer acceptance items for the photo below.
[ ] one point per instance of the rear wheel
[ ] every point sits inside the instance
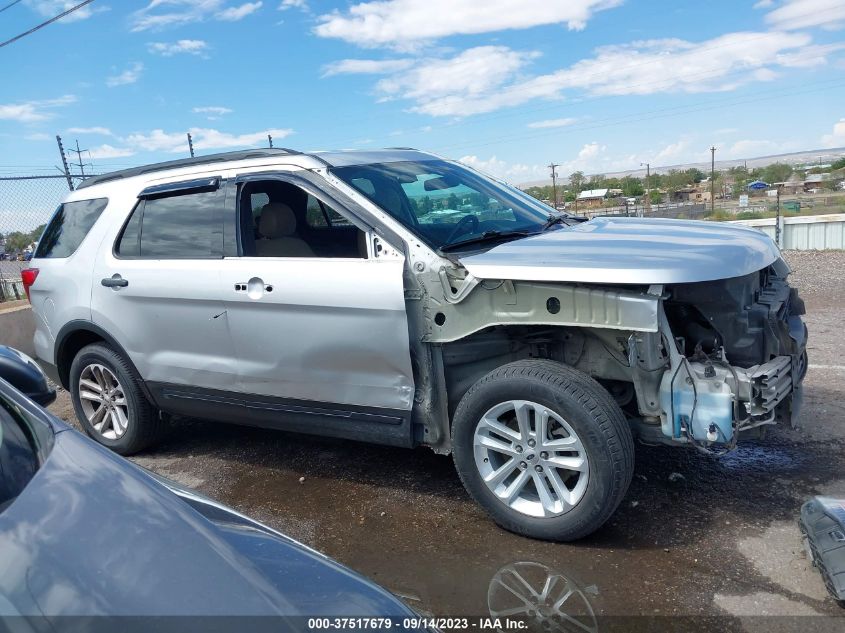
(544, 449)
(109, 403)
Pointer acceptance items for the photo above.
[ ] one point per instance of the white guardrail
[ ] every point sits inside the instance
(804, 232)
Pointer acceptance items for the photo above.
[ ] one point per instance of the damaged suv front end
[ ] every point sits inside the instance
(542, 344)
(738, 359)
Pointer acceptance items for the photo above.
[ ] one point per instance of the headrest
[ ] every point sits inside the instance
(277, 220)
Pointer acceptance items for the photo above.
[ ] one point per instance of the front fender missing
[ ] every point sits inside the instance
(493, 303)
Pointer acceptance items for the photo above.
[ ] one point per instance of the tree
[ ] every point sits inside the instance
(454, 203)
(632, 187)
(776, 172)
(839, 164)
(17, 241)
(577, 180)
(427, 205)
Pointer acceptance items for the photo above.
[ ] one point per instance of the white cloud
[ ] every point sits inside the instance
(161, 14)
(591, 158)
(488, 78)
(203, 138)
(233, 14)
(456, 86)
(366, 66)
(404, 23)
(107, 151)
(510, 172)
(552, 123)
(837, 138)
(38, 136)
(101, 131)
(763, 4)
(217, 110)
(128, 76)
(672, 153)
(169, 49)
(212, 113)
(748, 148)
(50, 8)
(294, 4)
(33, 111)
(802, 14)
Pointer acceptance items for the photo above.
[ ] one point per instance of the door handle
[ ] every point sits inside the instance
(115, 281)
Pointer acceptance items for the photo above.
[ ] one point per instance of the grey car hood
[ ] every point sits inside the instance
(629, 251)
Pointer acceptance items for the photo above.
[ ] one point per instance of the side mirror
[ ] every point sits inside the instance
(25, 375)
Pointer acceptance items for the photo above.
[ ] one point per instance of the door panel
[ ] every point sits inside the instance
(320, 330)
(169, 319)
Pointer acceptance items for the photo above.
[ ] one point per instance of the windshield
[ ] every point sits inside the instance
(444, 203)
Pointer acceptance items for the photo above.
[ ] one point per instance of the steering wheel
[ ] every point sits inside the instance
(461, 227)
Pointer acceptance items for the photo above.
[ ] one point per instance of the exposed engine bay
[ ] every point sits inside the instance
(691, 363)
(739, 357)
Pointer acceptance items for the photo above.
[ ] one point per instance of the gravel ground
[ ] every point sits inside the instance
(694, 537)
(817, 271)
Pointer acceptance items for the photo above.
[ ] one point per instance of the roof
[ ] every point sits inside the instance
(329, 158)
(592, 193)
(817, 178)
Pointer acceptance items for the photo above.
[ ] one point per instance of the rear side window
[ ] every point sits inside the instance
(188, 226)
(69, 227)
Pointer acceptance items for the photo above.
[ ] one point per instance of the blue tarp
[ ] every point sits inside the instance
(758, 184)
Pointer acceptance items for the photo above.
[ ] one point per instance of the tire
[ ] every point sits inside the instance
(581, 415)
(140, 425)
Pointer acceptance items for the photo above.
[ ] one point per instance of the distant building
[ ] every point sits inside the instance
(691, 194)
(592, 198)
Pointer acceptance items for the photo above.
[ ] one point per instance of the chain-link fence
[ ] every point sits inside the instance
(26, 204)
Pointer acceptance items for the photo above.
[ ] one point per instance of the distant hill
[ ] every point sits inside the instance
(795, 158)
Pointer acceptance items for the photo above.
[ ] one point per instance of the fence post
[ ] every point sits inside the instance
(64, 162)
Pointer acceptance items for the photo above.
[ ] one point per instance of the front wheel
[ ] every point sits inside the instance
(544, 449)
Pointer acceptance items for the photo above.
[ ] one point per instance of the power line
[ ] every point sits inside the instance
(43, 24)
(10, 5)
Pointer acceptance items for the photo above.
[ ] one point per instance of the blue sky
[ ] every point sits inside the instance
(506, 85)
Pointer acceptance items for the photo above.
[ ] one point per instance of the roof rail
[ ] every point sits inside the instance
(186, 162)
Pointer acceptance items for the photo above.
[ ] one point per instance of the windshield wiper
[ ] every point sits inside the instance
(487, 236)
(553, 219)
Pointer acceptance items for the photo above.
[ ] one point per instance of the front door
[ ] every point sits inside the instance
(318, 322)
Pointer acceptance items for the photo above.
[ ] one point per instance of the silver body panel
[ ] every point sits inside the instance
(629, 251)
(331, 330)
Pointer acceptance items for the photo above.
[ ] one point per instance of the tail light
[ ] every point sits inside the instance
(28, 277)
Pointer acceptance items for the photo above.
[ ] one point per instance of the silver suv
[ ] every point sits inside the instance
(396, 297)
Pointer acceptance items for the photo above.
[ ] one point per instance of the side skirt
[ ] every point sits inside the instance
(363, 424)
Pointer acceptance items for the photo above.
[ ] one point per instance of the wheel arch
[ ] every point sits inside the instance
(77, 334)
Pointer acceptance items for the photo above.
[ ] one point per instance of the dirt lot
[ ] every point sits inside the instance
(694, 537)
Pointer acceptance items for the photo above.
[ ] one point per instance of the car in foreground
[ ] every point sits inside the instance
(85, 533)
(396, 297)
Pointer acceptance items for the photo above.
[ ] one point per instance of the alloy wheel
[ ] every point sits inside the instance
(103, 401)
(531, 458)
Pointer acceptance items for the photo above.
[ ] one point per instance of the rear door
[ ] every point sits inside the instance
(323, 336)
(156, 288)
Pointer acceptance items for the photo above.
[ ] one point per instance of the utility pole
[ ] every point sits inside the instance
(79, 162)
(191, 144)
(64, 162)
(270, 140)
(647, 186)
(712, 179)
(553, 167)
